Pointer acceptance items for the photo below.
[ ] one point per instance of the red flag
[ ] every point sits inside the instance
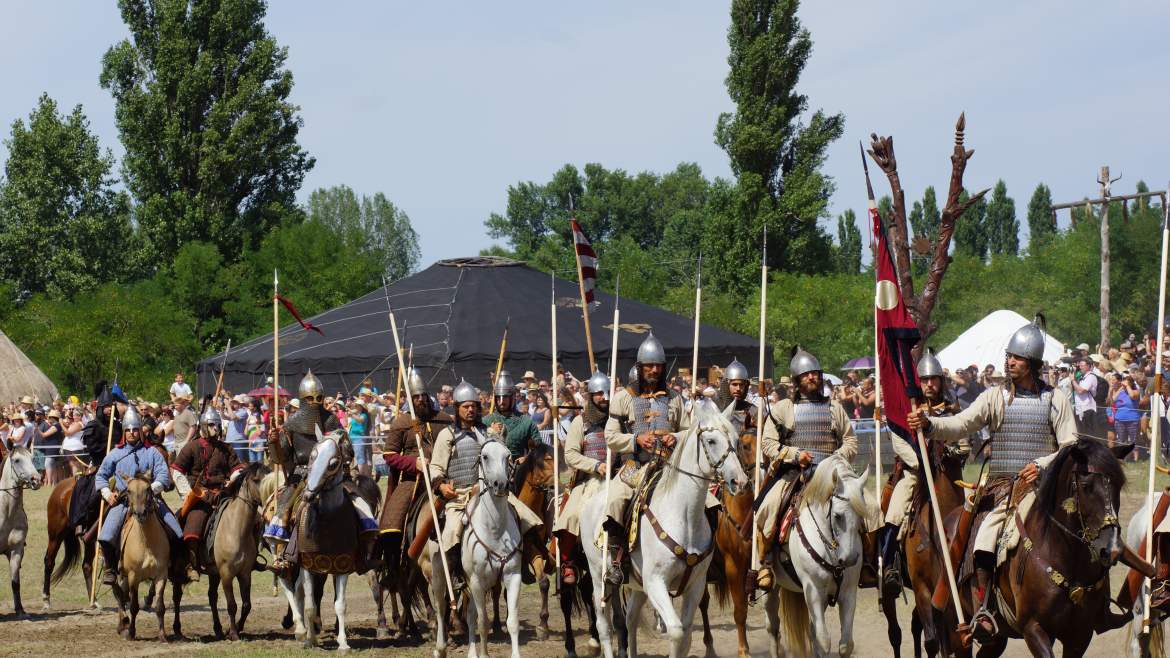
(586, 260)
(897, 334)
(309, 326)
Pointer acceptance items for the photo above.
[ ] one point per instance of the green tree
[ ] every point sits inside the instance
(201, 104)
(1041, 226)
(775, 157)
(848, 248)
(371, 226)
(63, 229)
(971, 231)
(1003, 229)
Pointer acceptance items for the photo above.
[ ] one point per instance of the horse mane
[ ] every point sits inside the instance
(1086, 452)
(707, 414)
(823, 484)
(536, 455)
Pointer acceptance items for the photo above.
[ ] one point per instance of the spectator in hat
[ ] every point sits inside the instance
(237, 424)
(528, 378)
(51, 435)
(1085, 386)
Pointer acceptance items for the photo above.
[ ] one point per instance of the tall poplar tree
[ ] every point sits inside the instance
(1041, 227)
(1003, 229)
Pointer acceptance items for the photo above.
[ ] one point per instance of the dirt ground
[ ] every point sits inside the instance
(69, 629)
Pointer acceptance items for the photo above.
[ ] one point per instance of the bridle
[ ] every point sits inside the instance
(1072, 505)
(22, 481)
(716, 464)
(481, 477)
(837, 567)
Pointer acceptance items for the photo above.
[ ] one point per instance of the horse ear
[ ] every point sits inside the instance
(320, 436)
(1121, 451)
(7, 445)
(729, 412)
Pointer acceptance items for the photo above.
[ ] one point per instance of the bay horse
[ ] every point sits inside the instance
(61, 535)
(922, 564)
(1055, 585)
(532, 482)
(145, 557)
(16, 474)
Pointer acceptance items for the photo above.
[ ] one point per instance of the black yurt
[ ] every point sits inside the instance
(451, 317)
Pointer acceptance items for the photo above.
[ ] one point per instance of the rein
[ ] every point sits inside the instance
(837, 571)
(493, 556)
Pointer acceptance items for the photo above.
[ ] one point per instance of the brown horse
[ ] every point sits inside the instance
(145, 557)
(532, 484)
(61, 535)
(733, 537)
(921, 560)
(1055, 584)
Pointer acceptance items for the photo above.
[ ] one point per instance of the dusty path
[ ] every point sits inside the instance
(68, 630)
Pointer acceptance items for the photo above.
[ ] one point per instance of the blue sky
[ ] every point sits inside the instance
(441, 106)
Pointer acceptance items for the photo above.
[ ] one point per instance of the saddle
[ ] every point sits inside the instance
(207, 547)
(789, 504)
(641, 500)
(327, 533)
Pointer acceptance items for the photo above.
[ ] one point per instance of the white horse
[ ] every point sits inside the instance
(1135, 534)
(492, 548)
(824, 548)
(326, 470)
(18, 474)
(707, 454)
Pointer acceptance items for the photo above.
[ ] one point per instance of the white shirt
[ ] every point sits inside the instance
(178, 389)
(1083, 402)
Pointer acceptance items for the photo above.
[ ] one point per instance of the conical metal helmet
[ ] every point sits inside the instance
(633, 375)
(929, 366)
(736, 371)
(210, 417)
(310, 389)
(465, 392)
(1027, 342)
(651, 351)
(598, 383)
(504, 384)
(803, 362)
(131, 420)
(416, 383)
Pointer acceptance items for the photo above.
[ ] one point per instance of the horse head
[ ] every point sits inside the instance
(495, 468)
(718, 441)
(841, 492)
(1079, 496)
(139, 498)
(20, 462)
(326, 463)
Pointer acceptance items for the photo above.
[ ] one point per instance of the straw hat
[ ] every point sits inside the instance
(528, 374)
(295, 403)
(53, 413)
(16, 416)
(28, 399)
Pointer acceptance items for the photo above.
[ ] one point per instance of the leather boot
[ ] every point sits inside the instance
(983, 626)
(891, 568)
(567, 548)
(193, 571)
(109, 564)
(762, 579)
(616, 551)
(455, 564)
(367, 560)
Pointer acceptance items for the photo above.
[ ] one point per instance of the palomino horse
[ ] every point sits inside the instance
(62, 535)
(492, 547)
(921, 560)
(824, 549)
(18, 474)
(145, 556)
(677, 557)
(1055, 584)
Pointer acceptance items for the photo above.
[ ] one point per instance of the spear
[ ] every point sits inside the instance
(613, 359)
(1157, 411)
(102, 506)
(500, 364)
(222, 367)
(763, 396)
(275, 350)
(555, 411)
(695, 349)
(877, 364)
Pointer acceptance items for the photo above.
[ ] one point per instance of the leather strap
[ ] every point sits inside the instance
(690, 559)
(836, 571)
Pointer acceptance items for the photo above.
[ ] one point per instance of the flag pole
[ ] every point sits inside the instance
(695, 349)
(499, 363)
(763, 396)
(1157, 411)
(102, 507)
(613, 359)
(222, 367)
(275, 349)
(877, 362)
(556, 412)
(584, 303)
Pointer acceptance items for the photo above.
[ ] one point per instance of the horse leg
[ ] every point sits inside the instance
(50, 561)
(438, 608)
(634, 605)
(295, 612)
(708, 639)
(176, 602)
(514, 583)
(893, 628)
(772, 625)
(497, 627)
(339, 583)
(1039, 642)
(159, 587)
(695, 594)
(245, 584)
(15, 556)
(213, 603)
(87, 571)
(618, 615)
(566, 597)
(132, 631)
(586, 587)
(476, 614)
(229, 596)
(847, 608)
(816, 610)
(379, 594)
(311, 615)
(542, 629)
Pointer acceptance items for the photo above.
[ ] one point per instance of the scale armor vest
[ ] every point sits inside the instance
(1025, 434)
(639, 423)
(813, 431)
(593, 444)
(743, 417)
(462, 467)
(301, 432)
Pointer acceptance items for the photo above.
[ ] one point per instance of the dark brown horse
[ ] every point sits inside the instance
(61, 535)
(733, 537)
(532, 484)
(922, 564)
(1055, 584)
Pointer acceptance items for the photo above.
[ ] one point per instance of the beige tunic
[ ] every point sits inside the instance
(454, 507)
(589, 481)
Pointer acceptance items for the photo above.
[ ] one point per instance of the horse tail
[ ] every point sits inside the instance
(1156, 646)
(72, 557)
(794, 617)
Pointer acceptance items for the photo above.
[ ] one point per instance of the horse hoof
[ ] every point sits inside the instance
(382, 634)
(162, 637)
(542, 633)
(308, 644)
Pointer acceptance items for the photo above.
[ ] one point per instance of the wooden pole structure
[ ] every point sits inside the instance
(1104, 309)
(695, 348)
(426, 471)
(763, 406)
(613, 352)
(1157, 411)
(500, 364)
(222, 367)
(275, 350)
(877, 364)
(584, 310)
(556, 413)
(102, 506)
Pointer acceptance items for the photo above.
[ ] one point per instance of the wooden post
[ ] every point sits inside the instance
(1104, 182)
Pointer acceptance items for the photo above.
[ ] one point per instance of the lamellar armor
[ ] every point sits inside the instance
(813, 430)
(1025, 433)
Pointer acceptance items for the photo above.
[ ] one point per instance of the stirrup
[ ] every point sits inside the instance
(764, 578)
(979, 632)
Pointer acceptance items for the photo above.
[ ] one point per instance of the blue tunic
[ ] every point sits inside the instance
(119, 467)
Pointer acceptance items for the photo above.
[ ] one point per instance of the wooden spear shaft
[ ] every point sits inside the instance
(761, 409)
(1157, 410)
(613, 359)
(500, 364)
(102, 506)
(222, 367)
(584, 313)
(275, 351)
(695, 347)
(556, 424)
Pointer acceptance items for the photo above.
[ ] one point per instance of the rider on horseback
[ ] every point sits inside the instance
(214, 466)
(454, 469)
(1029, 422)
(931, 377)
(805, 429)
(84, 503)
(520, 433)
(291, 446)
(585, 454)
(733, 389)
(131, 457)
